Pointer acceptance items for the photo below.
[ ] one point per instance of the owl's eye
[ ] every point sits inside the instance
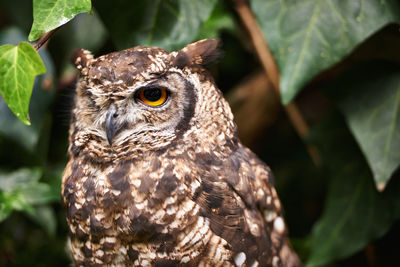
(153, 96)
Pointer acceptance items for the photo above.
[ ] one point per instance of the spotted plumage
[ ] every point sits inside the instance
(156, 174)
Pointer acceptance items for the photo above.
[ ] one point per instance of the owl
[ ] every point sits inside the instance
(157, 175)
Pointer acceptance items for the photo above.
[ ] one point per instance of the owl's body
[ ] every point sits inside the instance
(157, 175)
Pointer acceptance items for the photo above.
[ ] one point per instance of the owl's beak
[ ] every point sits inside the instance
(111, 127)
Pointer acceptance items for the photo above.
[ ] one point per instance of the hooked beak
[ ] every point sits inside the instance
(111, 126)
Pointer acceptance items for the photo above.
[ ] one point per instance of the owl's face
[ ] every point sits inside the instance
(155, 105)
(145, 97)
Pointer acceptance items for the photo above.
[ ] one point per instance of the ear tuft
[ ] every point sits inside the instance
(81, 58)
(201, 53)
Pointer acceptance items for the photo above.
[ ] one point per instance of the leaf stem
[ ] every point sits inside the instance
(271, 70)
(44, 39)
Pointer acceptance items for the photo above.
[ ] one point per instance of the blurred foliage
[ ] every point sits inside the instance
(355, 212)
(308, 37)
(340, 58)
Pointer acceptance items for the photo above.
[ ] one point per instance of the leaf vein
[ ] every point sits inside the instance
(305, 44)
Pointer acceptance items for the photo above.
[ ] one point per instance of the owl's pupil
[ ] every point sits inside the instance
(152, 94)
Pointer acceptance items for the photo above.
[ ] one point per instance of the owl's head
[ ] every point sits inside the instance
(145, 98)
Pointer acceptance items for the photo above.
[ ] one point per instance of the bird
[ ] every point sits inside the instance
(157, 175)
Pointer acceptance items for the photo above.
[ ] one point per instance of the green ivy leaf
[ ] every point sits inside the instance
(355, 213)
(307, 37)
(50, 14)
(10, 197)
(21, 190)
(10, 126)
(169, 24)
(19, 65)
(369, 97)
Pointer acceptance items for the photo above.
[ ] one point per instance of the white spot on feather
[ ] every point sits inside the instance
(279, 225)
(260, 193)
(169, 200)
(141, 205)
(254, 229)
(275, 261)
(145, 263)
(171, 210)
(99, 253)
(194, 185)
(111, 239)
(136, 182)
(185, 259)
(115, 192)
(99, 216)
(240, 258)
(221, 137)
(269, 215)
(161, 254)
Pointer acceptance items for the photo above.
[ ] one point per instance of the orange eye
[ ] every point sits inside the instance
(153, 96)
